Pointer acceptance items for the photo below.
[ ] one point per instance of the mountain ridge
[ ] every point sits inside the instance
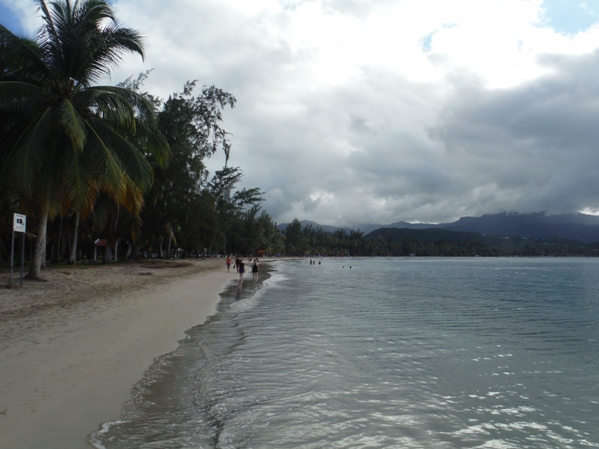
(574, 226)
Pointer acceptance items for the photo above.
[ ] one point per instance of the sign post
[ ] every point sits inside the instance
(12, 256)
(19, 224)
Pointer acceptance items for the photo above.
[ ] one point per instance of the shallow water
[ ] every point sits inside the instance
(392, 353)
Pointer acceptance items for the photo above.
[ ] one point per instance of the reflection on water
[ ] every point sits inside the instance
(396, 353)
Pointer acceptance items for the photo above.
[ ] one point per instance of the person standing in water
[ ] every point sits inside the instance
(255, 270)
(241, 269)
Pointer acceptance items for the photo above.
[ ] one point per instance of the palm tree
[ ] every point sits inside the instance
(66, 138)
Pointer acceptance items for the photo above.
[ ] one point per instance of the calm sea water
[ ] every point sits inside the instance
(392, 353)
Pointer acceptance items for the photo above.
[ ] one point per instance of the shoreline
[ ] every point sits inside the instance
(70, 354)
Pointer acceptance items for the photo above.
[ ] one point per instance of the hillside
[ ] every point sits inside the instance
(573, 226)
(579, 227)
(440, 242)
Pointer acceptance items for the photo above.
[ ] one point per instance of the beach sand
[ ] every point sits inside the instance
(72, 348)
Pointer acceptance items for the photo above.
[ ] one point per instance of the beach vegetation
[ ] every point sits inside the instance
(204, 212)
(65, 138)
(114, 169)
(312, 240)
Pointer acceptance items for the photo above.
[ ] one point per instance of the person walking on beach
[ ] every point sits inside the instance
(237, 262)
(241, 270)
(255, 270)
(228, 263)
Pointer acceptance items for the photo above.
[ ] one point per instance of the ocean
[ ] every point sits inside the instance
(382, 353)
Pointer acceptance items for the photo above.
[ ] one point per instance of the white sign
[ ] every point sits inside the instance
(19, 223)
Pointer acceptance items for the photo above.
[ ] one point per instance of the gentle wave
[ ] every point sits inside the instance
(394, 353)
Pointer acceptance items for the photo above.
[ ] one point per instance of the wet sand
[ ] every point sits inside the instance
(72, 348)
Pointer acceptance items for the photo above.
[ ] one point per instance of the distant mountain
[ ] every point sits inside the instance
(580, 227)
(365, 228)
(431, 235)
(439, 242)
(368, 228)
(304, 223)
(573, 226)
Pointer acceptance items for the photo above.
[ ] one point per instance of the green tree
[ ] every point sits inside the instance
(180, 202)
(237, 210)
(66, 139)
(295, 239)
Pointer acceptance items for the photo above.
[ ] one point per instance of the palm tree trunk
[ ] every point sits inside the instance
(56, 245)
(106, 256)
(68, 239)
(44, 251)
(170, 239)
(40, 243)
(59, 251)
(73, 254)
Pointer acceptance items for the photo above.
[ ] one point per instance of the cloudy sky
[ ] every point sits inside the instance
(361, 111)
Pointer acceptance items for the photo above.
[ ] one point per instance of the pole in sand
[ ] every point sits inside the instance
(19, 224)
(22, 256)
(12, 257)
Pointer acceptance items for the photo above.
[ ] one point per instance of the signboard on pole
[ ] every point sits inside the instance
(19, 223)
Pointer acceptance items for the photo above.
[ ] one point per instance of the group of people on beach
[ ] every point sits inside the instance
(240, 267)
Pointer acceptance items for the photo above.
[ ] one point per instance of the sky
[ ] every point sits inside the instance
(377, 111)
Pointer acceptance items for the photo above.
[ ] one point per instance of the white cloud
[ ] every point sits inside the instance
(26, 11)
(385, 110)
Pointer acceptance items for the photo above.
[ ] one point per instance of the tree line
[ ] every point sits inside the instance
(313, 241)
(111, 167)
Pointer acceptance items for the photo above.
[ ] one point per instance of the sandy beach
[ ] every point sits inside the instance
(71, 348)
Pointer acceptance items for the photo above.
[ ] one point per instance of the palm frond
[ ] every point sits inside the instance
(123, 39)
(133, 200)
(21, 57)
(73, 124)
(29, 156)
(127, 111)
(107, 166)
(78, 180)
(47, 17)
(142, 107)
(18, 97)
(114, 108)
(48, 35)
(154, 143)
(101, 41)
(131, 160)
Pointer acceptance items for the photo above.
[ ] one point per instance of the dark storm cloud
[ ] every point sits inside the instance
(378, 111)
(391, 149)
(539, 139)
